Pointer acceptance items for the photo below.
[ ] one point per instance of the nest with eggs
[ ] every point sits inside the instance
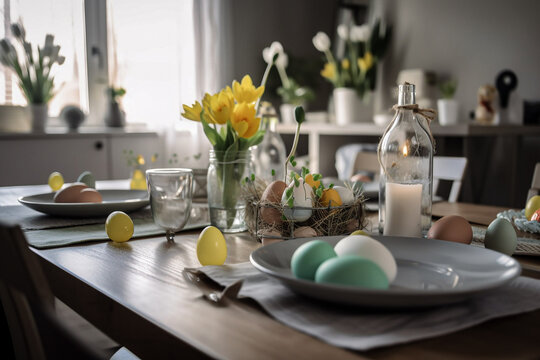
(268, 218)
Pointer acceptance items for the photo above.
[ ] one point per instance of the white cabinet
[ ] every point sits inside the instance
(28, 159)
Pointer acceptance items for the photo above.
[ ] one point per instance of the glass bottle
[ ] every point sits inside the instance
(270, 154)
(406, 156)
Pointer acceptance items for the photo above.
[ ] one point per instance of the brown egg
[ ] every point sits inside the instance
(272, 195)
(69, 194)
(89, 195)
(270, 236)
(304, 232)
(451, 228)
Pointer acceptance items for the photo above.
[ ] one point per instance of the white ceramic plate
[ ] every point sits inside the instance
(430, 272)
(113, 200)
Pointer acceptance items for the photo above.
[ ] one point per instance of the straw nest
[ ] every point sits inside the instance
(325, 221)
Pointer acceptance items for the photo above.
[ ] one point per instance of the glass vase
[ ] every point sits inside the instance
(224, 186)
(406, 156)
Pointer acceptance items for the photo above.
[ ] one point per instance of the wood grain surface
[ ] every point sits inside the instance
(135, 293)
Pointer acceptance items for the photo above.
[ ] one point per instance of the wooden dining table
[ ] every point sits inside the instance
(135, 293)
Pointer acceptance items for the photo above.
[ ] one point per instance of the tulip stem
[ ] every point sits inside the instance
(265, 77)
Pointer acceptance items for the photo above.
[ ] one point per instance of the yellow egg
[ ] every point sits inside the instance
(119, 226)
(532, 205)
(211, 247)
(138, 182)
(360, 232)
(311, 182)
(56, 181)
(330, 197)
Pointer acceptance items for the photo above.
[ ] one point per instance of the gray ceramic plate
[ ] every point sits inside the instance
(113, 200)
(430, 272)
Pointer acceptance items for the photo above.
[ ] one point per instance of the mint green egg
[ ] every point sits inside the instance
(88, 179)
(352, 270)
(501, 236)
(307, 258)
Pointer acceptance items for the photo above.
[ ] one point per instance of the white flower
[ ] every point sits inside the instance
(18, 31)
(321, 41)
(282, 60)
(360, 33)
(61, 60)
(271, 51)
(343, 31)
(48, 48)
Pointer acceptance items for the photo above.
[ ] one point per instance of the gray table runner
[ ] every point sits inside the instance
(364, 329)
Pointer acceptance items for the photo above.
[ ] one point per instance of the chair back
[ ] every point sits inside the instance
(449, 168)
(29, 304)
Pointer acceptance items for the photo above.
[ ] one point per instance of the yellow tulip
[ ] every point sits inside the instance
(218, 107)
(193, 112)
(244, 120)
(140, 159)
(329, 71)
(345, 64)
(245, 91)
(366, 62)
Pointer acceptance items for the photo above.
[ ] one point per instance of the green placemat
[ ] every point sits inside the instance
(50, 238)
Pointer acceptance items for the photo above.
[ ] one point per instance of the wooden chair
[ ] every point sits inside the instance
(449, 168)
(36, 331)
(535, 184)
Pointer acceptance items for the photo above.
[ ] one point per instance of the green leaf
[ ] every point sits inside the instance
(273, 172)
(212, 134)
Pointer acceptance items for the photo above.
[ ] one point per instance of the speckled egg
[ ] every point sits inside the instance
(345, 194)
(308, 256)
(352, 270)
(69, 194)
(304, 232)
(501, 236)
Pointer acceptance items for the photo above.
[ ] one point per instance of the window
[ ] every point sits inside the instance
(64, 20)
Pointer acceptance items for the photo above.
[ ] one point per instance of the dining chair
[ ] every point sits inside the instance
(535, 184)
(36, 330)
(449, 168)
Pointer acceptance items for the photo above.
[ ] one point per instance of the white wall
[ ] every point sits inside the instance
(470, 40)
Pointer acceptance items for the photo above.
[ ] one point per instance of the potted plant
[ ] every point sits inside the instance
(353, 75)
(33, 69)
(447, 106)
(292, 94)
(115, 115)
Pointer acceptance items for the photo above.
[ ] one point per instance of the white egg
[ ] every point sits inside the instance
(302, 197)
(346, 194)
(371, 249)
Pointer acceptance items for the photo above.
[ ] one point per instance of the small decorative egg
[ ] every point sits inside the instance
(501, 237)
(89, 195)
(272, 195)
(69, 194)
(138, 181)
(533, 204)
(345, 194)
(87, 178)
(370, 249)
(311, 182)
(211, 247)
(119, 226)
(270, 236)
(352, 270)
(536, 216)
(302, 197)
(304, 232)
(451, 228)
(359, 232)
(308, 256)
(56, 180)
(330, 197)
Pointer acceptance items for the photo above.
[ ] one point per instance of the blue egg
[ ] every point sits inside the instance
(88, 179)
(352, 270)
(307, 258)
(501, 236)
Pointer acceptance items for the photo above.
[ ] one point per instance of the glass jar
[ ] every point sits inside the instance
(224, 186)
(270, 154)
(406, 157)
